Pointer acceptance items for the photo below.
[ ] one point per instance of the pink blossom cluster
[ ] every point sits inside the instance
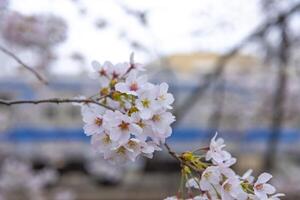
(3, 4)
(39, 31)
(218, 181)
(137, 120)
(16, 176)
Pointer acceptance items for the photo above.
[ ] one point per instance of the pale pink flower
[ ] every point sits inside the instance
(261, 188)
(164, 98)
(92, 116)
(132, 85)
(232, 190)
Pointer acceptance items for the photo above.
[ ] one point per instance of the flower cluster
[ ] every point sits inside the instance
(217, 181)
(135, 120)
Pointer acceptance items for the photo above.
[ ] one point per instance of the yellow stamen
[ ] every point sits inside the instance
(98, 121)
(124, 126)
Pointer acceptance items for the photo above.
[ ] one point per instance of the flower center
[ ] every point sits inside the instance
(156, 118)
(141, 124)
(132, 144)
(106, 139)
(259, 186)
(124, 126)
(227, 187)
(102, 72)
(146, 103)
(98, 121)
(134, 86)
(115, 75)
(162, 97)
(121, 150)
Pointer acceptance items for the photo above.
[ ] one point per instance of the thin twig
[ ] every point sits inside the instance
(53, 100)
(18, 60)
(172, 153)
(179, 159)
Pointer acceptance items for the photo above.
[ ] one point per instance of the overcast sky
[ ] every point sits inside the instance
(174, 26)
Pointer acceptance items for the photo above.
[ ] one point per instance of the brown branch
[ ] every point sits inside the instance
(280, 95)
(53, 100)
(215, 118)
(18, 60)
(179, 159)
(223, 60)
(172, 153)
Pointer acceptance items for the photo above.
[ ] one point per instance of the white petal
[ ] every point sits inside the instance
(269, 189)
(122, 87)
(115, 135)
(263, 178)
(261, 195)
(247, 174)
(96, 65)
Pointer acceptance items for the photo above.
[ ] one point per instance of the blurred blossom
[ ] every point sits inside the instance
(18, 176)
(3, 5)
(33, 31)
(65, 195)
(101, 168)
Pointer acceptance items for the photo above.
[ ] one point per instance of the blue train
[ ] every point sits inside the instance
(54, 132)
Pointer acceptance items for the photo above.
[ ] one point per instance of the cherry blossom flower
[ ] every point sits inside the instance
(102, 70)
(215, 151)
(262, 188)
(164, 98)
(93, 119)
(132, 84)
(247, 176)
(102, 142)
(146, 103)
(211, 176)
(119, 155)
(231, 190)
(120, 126)
(160, 123)
(118, 70)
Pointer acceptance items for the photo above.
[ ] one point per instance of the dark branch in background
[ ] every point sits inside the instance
(141, 16)
(208, 79)
(54, 100)
(280, 94)
(214, 121)
(18, 60)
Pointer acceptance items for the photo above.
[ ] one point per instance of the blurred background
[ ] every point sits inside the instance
(233, 67)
